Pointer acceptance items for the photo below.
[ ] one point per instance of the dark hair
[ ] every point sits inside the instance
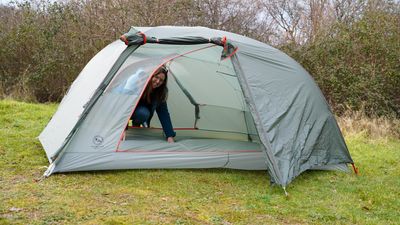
(160, 93)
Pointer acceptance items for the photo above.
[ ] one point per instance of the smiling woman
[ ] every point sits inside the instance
(153, 99)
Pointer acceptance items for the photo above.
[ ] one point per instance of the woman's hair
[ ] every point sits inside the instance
(160, 93)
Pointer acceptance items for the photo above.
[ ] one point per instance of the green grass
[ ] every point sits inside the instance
(213, 196)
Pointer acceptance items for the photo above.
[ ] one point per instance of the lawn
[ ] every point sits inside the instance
(201, 196)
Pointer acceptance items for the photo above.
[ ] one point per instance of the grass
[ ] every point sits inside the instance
(209, 196)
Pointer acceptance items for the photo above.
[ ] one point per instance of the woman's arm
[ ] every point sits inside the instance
(165, 119)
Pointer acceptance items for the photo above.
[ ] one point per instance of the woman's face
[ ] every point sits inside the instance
(157, 80)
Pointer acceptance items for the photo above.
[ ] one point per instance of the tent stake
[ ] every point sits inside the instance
(49, 170)
(287, 194)
(355, 169)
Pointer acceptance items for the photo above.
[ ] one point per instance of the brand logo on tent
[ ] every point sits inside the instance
(97, 140)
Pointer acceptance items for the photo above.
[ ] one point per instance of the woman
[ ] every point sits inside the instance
(154, 98)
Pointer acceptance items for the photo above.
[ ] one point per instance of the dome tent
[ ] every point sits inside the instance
(234, 102)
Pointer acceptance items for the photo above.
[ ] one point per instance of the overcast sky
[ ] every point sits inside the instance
(5, 2)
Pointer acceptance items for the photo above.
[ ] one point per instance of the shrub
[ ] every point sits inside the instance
(357, 64)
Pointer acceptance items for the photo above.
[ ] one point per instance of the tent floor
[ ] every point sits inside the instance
(152, 151)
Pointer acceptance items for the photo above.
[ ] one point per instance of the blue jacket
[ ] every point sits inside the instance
(163, 116)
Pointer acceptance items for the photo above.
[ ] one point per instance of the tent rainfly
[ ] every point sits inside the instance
(234, 102)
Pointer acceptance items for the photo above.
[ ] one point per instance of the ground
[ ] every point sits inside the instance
(203, 196)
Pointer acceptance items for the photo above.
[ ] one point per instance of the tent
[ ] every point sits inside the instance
(235, 103)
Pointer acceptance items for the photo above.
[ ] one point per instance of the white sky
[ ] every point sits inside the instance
(5, 2)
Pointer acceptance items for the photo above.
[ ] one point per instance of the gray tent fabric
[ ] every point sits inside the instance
(234, 102)
(80, 92)
(287, 97)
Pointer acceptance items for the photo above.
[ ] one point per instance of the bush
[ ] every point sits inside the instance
(357, 64)
(44, 50)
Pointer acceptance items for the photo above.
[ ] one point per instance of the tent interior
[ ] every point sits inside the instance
(206, 104)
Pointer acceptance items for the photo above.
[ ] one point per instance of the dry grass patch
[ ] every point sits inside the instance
(376, 127)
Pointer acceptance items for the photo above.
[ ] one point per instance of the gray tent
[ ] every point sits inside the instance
(234, 102)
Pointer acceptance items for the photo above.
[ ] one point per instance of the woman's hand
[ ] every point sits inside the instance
(170, 140)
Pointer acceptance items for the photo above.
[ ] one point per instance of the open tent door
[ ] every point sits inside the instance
(208, 112)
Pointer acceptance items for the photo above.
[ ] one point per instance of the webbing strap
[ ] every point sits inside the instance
(190, 97)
